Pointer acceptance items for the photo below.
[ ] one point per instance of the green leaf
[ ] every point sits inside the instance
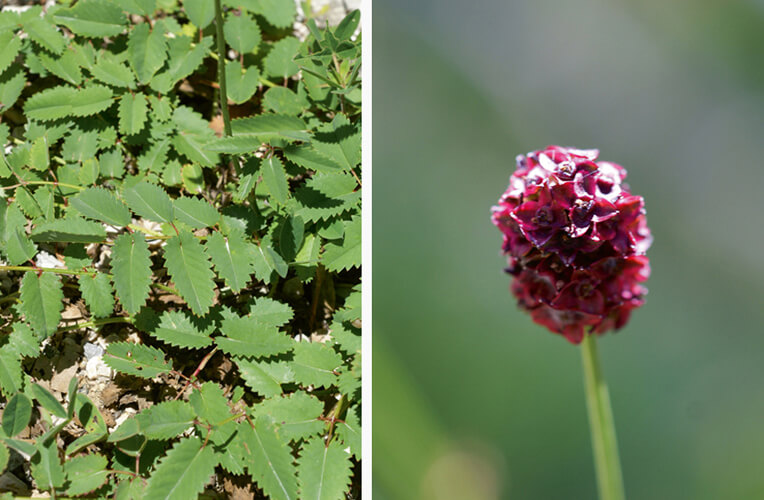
(136, 359)
(39, 156)
(42, 32)
(11, 84)
(271, 312)
(268, 261)
(278, 63)
(242, 33)
(112, 70)
(23, 340)
(296, 416)
(348, 25)
(11, 44)
(349, 431)
(269, 460)
(315, 364)
(275, 179)
(326, 195)
(19, 248)
(190, 270)
(149, 201)
(62, 102)
(265, 377)
(80, 146)
(244, 336)
(91, 419)
(193, 136)
(309, 158)
(183, 472)
(92, 18)
(210, 404)
(338, 257)
(250, 133)
(16, 415)
(71, 229)
(278, 13)
(101, 204)
(131, 266)
(140, 7)
(46, 466)
(339, 140)
(196, 212)
(199, 12)
(42, 301)
(10, 372)
(85, 473)
(47, 400)
(132, 113)
(324, 471)
(165, 420)
(4, 456)
(242, 85)
(178, 329)
(233, 258)
(146, 50)
(285, 101)
(97, 292)
(290, 232)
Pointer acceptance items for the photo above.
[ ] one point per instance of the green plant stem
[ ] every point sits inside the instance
(604, 444)
(94, 323)
(221, 67)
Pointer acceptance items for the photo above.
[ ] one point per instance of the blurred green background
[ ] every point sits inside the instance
(471, 399)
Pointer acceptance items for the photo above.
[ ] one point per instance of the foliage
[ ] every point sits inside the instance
(222, 271)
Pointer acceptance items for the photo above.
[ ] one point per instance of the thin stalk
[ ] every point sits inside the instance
(221, 67)
(604, 444)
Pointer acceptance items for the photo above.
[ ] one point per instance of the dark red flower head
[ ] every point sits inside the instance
(576, 239)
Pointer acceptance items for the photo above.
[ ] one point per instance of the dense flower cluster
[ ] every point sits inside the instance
(575, 238)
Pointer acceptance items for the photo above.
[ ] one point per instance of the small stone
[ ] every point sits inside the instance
(96, 368)
(92, 350)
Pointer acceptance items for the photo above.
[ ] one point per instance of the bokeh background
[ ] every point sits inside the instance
(471, 399)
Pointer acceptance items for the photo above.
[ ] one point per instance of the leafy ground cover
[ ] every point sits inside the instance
(180, 306)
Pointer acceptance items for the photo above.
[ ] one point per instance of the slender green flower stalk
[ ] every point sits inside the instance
(604, 443)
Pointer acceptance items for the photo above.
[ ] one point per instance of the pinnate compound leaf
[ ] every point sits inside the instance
(295, 416)
(165, 420)
(183, 472)
(62, 102)
(100, 204)
(149, 201)
(315, 364)
(233, 258)
(196, 212)
(191, 271)
(324, 471)
(85, 473)
(97, 291)
(136, 359)
(92, 18)
(339, 257)
(245, 337)
(131, 266)
(16, 415)
(41, 302)
(146, 50)
(269, 460)
(178, 329)
(132, 113)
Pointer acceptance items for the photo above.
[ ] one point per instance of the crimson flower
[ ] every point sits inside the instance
(575, 238)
